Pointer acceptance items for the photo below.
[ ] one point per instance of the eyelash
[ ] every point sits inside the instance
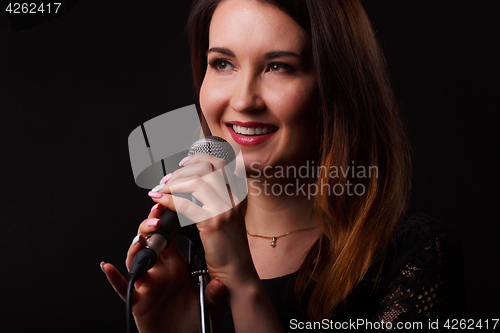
(216, 62)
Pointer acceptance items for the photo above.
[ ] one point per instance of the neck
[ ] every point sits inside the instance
(272, 212)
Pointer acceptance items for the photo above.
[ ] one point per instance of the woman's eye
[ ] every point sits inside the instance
(275, 67)
(280, 67)
(220, 64)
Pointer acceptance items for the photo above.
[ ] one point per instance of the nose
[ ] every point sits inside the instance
(246, 96)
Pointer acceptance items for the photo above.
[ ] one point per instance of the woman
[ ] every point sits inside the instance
(296, 84)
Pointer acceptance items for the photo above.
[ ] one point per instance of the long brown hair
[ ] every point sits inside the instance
(360, 126)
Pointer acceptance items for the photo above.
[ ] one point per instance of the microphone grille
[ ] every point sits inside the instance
(215, 146)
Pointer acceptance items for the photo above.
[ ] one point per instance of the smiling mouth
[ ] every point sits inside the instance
(253, 131)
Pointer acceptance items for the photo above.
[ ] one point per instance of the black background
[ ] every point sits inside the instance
(72, 89)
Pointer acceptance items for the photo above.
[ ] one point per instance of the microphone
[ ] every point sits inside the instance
(170, 226)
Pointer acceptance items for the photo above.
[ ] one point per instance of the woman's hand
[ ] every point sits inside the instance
(221, 225)
(165, 298)
(222, 231)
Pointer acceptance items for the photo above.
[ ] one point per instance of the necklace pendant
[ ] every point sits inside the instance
(273, 242)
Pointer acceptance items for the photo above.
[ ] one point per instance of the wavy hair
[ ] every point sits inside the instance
(359, 121)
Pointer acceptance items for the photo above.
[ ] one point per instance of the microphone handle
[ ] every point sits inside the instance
(169, 227)
(155, 244)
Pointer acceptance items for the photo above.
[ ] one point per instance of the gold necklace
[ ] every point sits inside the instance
(275, 238)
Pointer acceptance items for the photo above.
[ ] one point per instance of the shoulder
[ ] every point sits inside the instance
(423, 269)
(424, 243)
(417, 227)
(419, 233)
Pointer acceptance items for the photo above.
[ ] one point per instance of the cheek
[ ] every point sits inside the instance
(294, 103)
(205, 101)
(211, 102)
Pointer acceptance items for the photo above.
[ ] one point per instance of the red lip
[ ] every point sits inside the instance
(249, 140)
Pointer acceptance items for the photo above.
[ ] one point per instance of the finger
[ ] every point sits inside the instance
(203, 170)
(184, 207)
(171, 253)
(149, 225)
(202, 157)
(217, 296)
(213, 204)
(145, 228)
(156, 211)
(137, 243)
(210, 164)
(215, 292)
(199, 169)
(167, 272)
(174, 261)
(227, 176)
(118, 282)
(219, 164)
(215, 200)
(214, 179)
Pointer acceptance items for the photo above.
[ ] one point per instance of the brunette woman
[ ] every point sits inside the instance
(298, 83)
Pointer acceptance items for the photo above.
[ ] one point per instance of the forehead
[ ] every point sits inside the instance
(254, 24)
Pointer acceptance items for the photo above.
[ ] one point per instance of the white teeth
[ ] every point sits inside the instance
(253, 130)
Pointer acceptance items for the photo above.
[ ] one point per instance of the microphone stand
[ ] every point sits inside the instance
(198, 268)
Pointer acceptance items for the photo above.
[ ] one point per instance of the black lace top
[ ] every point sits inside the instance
(421, 284)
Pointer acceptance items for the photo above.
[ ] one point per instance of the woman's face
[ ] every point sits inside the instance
(260, 89)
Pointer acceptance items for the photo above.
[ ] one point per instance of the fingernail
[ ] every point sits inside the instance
(102, 266)
(155, 195)
(152, 222)
(136, 239)
(155, 207)
(158, 188)
(218, 281)
(184, 160)
(166, 178)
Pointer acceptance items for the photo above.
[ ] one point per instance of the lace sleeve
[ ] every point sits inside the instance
(426, 280)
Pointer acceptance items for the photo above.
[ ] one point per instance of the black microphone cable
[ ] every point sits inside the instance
(129, 317)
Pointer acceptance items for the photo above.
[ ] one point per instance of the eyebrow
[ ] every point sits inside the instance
(268, 55)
